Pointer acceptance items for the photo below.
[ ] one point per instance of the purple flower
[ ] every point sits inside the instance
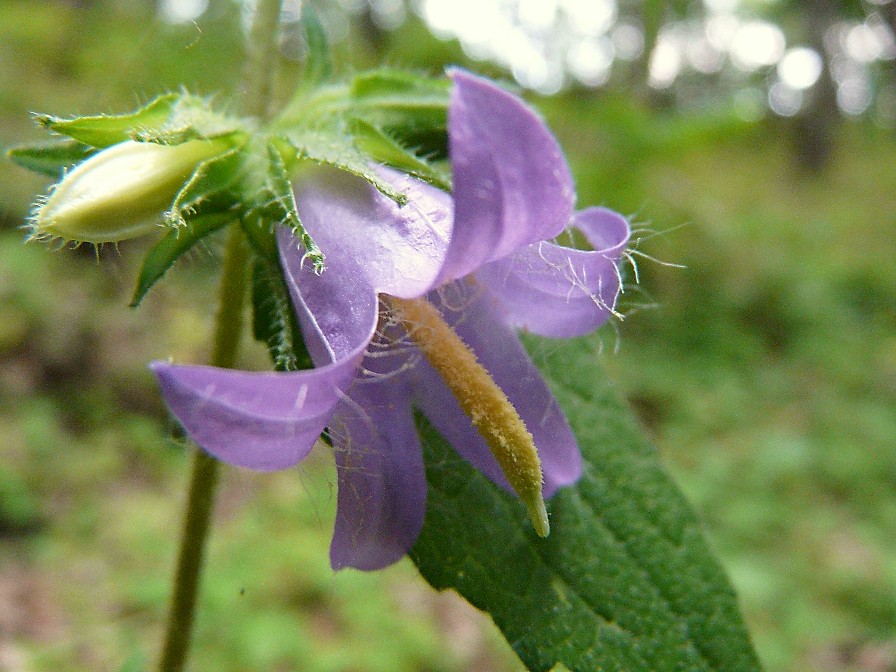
(482, 258)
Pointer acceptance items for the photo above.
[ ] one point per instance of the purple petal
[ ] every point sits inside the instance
(263, 421)
(558, 291)
(512, 186)
(382, 484)
(498, 349)
(606, 230)
(371, 245)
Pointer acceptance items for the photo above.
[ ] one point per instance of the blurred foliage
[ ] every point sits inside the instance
(765, 370)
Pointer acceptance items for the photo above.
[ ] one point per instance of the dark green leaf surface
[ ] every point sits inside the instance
(624, 582)
(50, 158)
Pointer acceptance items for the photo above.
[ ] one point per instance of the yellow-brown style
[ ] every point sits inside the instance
(481, 399)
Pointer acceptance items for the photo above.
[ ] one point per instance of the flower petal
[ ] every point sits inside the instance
(382, 483)
(371, 245)
(497, 348)
(398, 248)
(558, 291)
(512, 186)
(263, 421)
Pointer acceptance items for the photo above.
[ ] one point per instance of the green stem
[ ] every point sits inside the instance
(201, 496)
(228, 330)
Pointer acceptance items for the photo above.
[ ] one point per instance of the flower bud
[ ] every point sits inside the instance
(121, 192)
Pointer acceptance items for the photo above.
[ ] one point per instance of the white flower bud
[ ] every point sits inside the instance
(121, 192)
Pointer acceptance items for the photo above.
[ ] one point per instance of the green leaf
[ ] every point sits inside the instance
(107, 130)
(274, 320)
(164, 253)
(52, 158)
(283, 200)
(383, 149)
(625, 581)
(381, 113)
(192, 118)
(385, 81)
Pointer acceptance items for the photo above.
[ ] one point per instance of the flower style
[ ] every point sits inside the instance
(482, 257)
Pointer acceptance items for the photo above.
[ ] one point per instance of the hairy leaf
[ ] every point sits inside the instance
(271, 202)
(212, 180)
(51, 158)
(171, 119)
(624, 582)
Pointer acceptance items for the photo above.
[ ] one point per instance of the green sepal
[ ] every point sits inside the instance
(174, 244)
(192, 118)
(332, 144)
(318, 61)
(377, 117)
(626, 580)
(380, 81)
(271, 203)
(274, 320)
(50, 158)
(177, 135)
(379, 146)
(283, 205)
(107, 130)
(213, 182)
(403, 102)
(171, 119)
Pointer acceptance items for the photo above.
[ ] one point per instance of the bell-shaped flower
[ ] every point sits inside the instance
(483, 259)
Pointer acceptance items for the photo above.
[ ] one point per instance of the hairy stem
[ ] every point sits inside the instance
(263, 47)
(204, 480)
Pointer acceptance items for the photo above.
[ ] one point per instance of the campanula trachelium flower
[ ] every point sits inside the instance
(483, 258)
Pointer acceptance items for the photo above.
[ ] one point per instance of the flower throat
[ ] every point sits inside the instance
(489, 409)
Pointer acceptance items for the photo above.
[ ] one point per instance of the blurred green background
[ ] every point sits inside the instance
(764, 369)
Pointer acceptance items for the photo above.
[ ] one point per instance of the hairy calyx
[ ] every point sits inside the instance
(484, 402)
